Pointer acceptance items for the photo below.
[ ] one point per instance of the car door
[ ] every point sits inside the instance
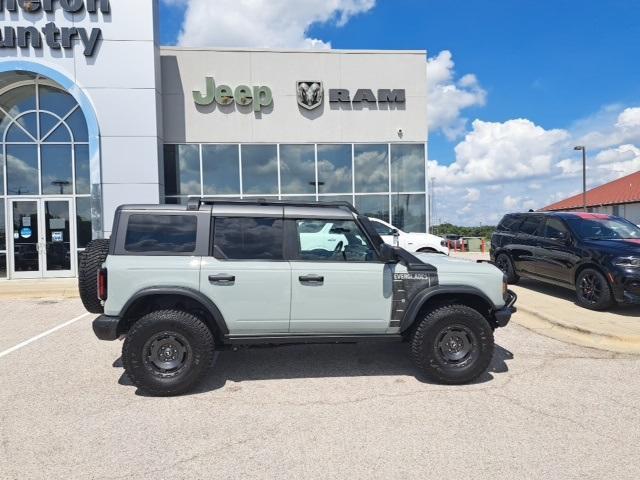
(523, 250)
(245, 274)
(555, 254)
(336, 290)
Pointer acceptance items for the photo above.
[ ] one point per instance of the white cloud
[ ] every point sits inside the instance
(262, 23)
(448, 97)
(473, 195)
(626, 129)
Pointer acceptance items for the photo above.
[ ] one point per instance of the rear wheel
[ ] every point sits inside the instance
(167, 352)
(89, 263)
(453, 345)
(504, 263)
(593, 291)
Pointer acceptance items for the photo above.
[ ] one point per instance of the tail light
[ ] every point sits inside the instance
(102, 284)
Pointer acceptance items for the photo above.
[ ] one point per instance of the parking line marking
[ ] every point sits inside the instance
(42, 335)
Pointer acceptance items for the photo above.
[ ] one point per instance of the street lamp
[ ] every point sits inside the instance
(584, 175)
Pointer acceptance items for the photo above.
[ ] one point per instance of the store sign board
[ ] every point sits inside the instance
(56, 38)
(259, 96)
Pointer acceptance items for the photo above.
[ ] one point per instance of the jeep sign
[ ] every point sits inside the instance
(243, 95)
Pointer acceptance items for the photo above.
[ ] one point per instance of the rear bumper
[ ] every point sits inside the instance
(106, 327)
(502, 316)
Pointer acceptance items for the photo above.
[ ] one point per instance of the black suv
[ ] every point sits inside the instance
(597, 255)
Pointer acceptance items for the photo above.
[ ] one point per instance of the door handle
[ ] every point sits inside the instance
(313, 279)
(222, 279)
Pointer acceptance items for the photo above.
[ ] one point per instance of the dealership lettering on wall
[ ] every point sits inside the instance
(259, 96)
(56, 38)
(310, 95)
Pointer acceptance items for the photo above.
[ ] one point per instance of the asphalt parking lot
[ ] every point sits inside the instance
(546, 410)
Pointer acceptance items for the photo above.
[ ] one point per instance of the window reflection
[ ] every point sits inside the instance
(371, 165)
(1, 171)
(409, 212)
(22, 170)
(19, 100)
(83, 219)
(3, 235)
(260, 169)
(407, 168)
(83, 174)
(55, 100)
(182, 170)
(221, 169)
(334, 169)
(298, 169)
(376, 206)
(3, 265)
(56, 170)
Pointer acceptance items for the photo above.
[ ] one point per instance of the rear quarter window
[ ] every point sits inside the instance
(161, 234)
(248, 238)
(509, 223)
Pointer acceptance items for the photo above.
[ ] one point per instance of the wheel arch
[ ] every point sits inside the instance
(158, 298)
(594, 266)
(435, 297)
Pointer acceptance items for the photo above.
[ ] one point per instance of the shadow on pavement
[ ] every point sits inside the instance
(570, 296)
(318, 361)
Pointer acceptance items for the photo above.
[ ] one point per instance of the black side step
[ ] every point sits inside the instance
(308, 339)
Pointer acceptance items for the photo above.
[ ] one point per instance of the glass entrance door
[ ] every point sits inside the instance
(43, 241)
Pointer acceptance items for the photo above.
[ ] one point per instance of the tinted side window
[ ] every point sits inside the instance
(337, 241)
(530, 225)
(555, 229)
(247, 238)
(161, 233)
(382, 229)
(509, 223)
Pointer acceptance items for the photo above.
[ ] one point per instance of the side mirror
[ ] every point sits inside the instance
(388, 253)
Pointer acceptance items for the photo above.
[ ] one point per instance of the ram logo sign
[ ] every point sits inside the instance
(310, 94)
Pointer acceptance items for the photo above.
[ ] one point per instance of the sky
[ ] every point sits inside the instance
(513, 85)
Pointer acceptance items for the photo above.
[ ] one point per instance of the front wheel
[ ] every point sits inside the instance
(453, 345)
(592, 290)
(167, 352)
(504, 263)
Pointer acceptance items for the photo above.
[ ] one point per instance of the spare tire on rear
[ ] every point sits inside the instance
(89, 263)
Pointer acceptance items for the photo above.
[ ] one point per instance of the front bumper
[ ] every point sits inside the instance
(502, 316)
(106, 327)
(625, 284)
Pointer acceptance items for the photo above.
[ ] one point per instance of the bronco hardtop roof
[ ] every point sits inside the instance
(194, 203)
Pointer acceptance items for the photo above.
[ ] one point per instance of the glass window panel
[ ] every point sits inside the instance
(19, 100)
(248, 238)
(1, 170)
(407, 168)
(17, 134)
(60, 134)
(336, 198)
(221, 169)
(56, 170)
(47, 123)
(260, 169)
(5, 121)
(299, 198)
(176, 200)
(409, 212)
(332, 240)
(297, 169)
(56, 100)
(83, 173)
(3, 235)
(3, 265)
(182, 170)
(371, 164)
(57, 235)
(22, 170)
(30, 123)
(161, 233)
(83, 216)
(334, 169)
(78, 126)
(376, 206)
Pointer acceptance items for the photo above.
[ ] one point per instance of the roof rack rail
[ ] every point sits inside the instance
(194, 203)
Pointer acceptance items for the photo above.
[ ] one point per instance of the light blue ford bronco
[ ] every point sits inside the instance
(179, 282)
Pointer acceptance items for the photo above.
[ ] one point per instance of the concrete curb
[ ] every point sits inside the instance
(556, 329)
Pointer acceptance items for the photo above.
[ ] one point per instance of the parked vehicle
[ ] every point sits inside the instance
(455, 241)
(597, 255)
(178, 282)
(412, 242)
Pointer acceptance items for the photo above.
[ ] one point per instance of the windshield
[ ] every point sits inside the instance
(603, 227)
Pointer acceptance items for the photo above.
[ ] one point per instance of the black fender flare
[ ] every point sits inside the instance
(421, 298)
(195, 295)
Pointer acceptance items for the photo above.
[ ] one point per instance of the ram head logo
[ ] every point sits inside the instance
(310, 94)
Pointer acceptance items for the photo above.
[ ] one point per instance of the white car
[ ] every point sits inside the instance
(412, 242)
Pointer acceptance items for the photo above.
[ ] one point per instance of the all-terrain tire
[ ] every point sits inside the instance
(437, 337)
(593, 290)
(504, 263)
(89, 263)
(175, 328)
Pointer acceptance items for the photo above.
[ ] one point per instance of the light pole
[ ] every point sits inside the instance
(584, 175)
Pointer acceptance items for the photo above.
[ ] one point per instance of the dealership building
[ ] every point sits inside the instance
(95, 114)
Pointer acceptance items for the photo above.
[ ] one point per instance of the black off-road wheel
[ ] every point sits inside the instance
(593, 291)
(453, 345)
(89, 263)
(504, 263)
(167, 352)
